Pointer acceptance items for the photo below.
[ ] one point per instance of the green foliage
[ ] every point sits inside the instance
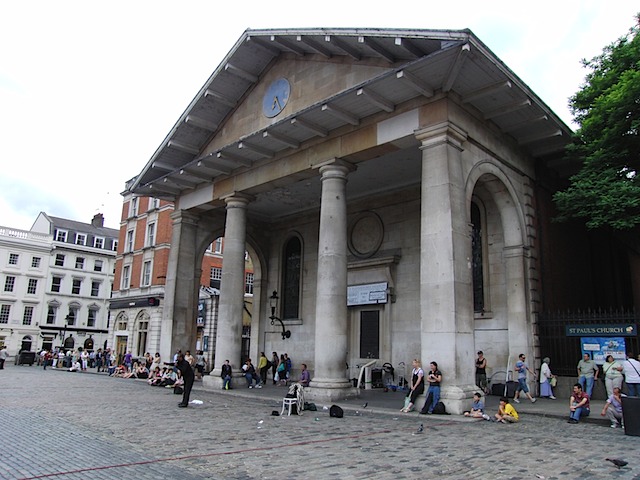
(606, 191)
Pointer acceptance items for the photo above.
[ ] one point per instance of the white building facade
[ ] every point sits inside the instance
(56, 284)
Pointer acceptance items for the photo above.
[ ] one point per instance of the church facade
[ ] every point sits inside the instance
(383, 183)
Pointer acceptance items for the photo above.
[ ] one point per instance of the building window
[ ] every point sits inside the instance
(71, 317)
(216, 277)
(154, 203)
(151, 235)
(9, 283)
(81, 239)
(59, 260)
(75, 288)
(32, 287)
(5, 310)
(55, 283)
(477, 259)
(97, 266)
(143, 327)
(35, 262)
(370, 334)
(27, 316)
(133, 207)
(217, 246)
(13, 258)
(95, 289)
(51, 315)
(98, 242)
(91, 319)
(292, 262)
(61, 236)
(248, 283)
(130, 241)
(146, 274)
(115, 246)
(126, 277)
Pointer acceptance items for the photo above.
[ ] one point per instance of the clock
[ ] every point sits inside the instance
(276, 97)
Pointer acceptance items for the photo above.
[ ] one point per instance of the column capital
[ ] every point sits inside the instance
(237, 200)
(441, 133)
(335, 166)
(183, 216)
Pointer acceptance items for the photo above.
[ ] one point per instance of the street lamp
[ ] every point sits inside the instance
(64, 330)
(273, 302)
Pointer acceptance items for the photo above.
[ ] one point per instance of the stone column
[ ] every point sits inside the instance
(229, 335)
(181, 291)
(520, 329)
(330, 381)
(446, 304)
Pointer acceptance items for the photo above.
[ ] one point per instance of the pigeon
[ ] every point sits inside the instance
(617, 462)
(420, 428)
(365, 404)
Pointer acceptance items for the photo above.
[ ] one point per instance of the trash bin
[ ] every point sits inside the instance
(631, 415)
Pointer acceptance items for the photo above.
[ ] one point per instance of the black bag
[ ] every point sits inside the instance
(440, 409)
(310, 406)
(178, 390)
(336, 411)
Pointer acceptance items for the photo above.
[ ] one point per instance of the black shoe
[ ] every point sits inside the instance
(183, 405)
(422, 412)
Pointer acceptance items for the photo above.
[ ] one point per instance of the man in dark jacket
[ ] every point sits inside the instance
(187, 374)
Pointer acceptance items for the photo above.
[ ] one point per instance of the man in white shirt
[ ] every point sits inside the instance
(631, 372)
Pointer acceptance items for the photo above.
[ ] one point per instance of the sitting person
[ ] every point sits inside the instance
(120, 371)
(613, 408)
(168, 379)
(506, 412)
(477, 408)
(250, 374)
(131, 373)
(578, 405)
(305, 378)
(155, 375)
(75, 367)
(141, 371)
(226, 375)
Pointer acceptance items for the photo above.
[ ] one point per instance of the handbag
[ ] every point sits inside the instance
(553, 381)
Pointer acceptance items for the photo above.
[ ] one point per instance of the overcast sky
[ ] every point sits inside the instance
(89, 89)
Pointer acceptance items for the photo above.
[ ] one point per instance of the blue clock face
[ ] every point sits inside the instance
(276, 97)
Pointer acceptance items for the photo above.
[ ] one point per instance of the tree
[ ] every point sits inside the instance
(606, 190)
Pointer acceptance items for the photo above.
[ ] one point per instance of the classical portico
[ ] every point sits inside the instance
(359, 164)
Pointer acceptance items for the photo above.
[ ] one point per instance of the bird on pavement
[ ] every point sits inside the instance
(365, 404)
(617, 462)
(420, 428)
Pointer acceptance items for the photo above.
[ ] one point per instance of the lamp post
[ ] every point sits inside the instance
(273, 302)
(64, 330)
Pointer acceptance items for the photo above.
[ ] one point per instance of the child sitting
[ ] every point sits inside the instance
(477, 408)
(506, 412)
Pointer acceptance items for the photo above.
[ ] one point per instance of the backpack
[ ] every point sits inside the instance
(440, 409)
(336, 411)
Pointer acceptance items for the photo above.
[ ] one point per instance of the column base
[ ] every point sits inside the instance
(330, 390)
(458, 398)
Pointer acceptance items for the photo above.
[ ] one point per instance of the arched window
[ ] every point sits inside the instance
(292, 263)
(477, 256)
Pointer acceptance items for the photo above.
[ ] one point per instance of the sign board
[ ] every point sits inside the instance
(205, 343)
(600, 347)
(619, 330)
(368, 294)
(202, 312)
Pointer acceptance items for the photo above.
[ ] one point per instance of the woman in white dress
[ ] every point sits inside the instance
(546, 390)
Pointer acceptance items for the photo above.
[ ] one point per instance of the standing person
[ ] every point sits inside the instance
(434, 378)
(613, 408)
(578, 404)
(631, 369)
(587, 373)
(190, 359)
(187, 374)
(226, 375)
(481, 372)
(506, 412)
(416, 385)
(3, 356)
(546, 390)
(128, 360)
(47, 358)
(263, 366)
(522, 368)
(200, 364)
(612, 370)
(288, 364)
(275, 360)
(99, 359)
(305, 378)
(84, 360)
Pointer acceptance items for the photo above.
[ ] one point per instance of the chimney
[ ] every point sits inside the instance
(98, 220)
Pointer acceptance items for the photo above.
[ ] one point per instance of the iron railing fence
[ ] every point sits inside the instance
(564, 351)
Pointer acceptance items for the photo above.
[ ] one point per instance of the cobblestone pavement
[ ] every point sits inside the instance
(60, 425)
